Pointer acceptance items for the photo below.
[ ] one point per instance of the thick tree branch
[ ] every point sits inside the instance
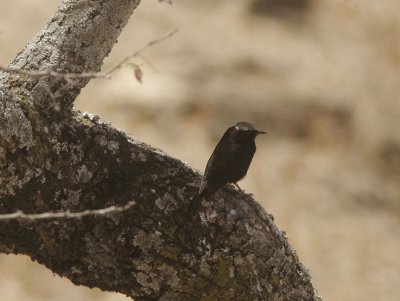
(55, 159)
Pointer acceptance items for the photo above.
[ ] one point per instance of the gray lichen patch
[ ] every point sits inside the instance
(113, 146)
(13, 177)
(167, 203)
(147, 241)
(101, 256)
(15, 129)
(140, 156)
(101, 140)
(152, 275)
(90, 116)
(70, 197)
(84, 175)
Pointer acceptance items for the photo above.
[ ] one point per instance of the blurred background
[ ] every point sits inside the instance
(322, 77)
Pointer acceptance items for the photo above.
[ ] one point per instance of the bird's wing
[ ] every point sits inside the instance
(247, 160)
(216, 163)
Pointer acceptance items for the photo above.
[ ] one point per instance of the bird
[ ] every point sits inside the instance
(230, 159)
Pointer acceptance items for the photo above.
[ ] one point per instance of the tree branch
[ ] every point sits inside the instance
(69, 77)
(60, 160)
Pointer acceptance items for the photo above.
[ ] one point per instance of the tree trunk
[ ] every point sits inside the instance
(53, 158)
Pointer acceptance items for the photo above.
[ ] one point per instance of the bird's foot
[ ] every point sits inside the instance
(238, 187)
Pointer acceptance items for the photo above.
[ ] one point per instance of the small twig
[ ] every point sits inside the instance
(70, 76)
(41, 73)
(64, 214)
(140, 50)
(148, 63)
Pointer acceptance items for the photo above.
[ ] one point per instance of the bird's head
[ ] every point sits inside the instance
(245, 131)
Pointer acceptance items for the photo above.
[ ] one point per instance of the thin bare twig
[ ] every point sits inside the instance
(41, 73)
(64, 214)
(69, 76)
(140, 50)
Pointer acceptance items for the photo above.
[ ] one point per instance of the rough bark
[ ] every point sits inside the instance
(53, 158)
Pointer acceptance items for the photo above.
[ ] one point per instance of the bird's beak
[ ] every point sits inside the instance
(260, 132)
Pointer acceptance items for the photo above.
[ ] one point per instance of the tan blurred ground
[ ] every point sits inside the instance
(323, 80)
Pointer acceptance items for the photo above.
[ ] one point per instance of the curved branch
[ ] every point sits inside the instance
(62, 160)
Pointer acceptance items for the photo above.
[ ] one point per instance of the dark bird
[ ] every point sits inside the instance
(231, 158)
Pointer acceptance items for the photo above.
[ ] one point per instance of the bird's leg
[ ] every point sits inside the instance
(238, 187)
